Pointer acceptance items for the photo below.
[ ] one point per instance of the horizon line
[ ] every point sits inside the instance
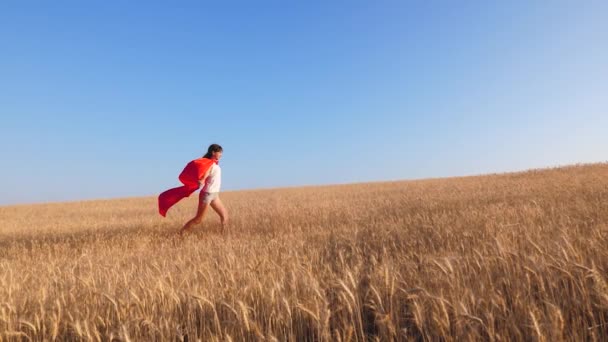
(472, 175)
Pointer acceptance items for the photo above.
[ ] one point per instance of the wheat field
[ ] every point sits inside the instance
(506, 257)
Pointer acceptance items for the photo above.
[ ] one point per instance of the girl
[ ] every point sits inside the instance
(209, 195)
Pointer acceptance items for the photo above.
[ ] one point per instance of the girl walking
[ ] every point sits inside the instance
(210, 192)
(204, 172)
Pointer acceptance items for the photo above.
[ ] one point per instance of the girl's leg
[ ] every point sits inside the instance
(200, 214)
(219, 208)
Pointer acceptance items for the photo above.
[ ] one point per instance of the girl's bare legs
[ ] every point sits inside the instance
(200, 214)
(219, 208)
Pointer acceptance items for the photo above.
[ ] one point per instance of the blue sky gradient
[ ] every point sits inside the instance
(111, 99)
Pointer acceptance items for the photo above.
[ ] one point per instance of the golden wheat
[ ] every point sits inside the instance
(518, 257)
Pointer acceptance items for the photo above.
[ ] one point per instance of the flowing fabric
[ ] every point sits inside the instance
(190, 177)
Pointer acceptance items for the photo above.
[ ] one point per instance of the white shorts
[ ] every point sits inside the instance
(208, 197)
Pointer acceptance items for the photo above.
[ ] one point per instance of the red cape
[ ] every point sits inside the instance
(190, 177)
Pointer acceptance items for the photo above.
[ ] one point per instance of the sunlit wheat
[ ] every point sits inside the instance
(509, 257)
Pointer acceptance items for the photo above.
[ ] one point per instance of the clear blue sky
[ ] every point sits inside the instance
(111, 98)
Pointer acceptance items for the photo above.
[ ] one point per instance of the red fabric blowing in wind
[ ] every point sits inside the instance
(190, 177)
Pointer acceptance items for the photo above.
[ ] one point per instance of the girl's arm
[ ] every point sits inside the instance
(202, 180)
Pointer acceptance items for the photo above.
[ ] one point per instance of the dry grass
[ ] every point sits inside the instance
(517, 257)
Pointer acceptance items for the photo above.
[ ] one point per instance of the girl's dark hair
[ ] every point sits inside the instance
(213, 148)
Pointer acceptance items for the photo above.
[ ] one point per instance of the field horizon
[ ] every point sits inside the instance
(518, 256)
(274, 188)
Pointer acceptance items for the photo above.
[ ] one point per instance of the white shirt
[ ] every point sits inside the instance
(214, 180)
